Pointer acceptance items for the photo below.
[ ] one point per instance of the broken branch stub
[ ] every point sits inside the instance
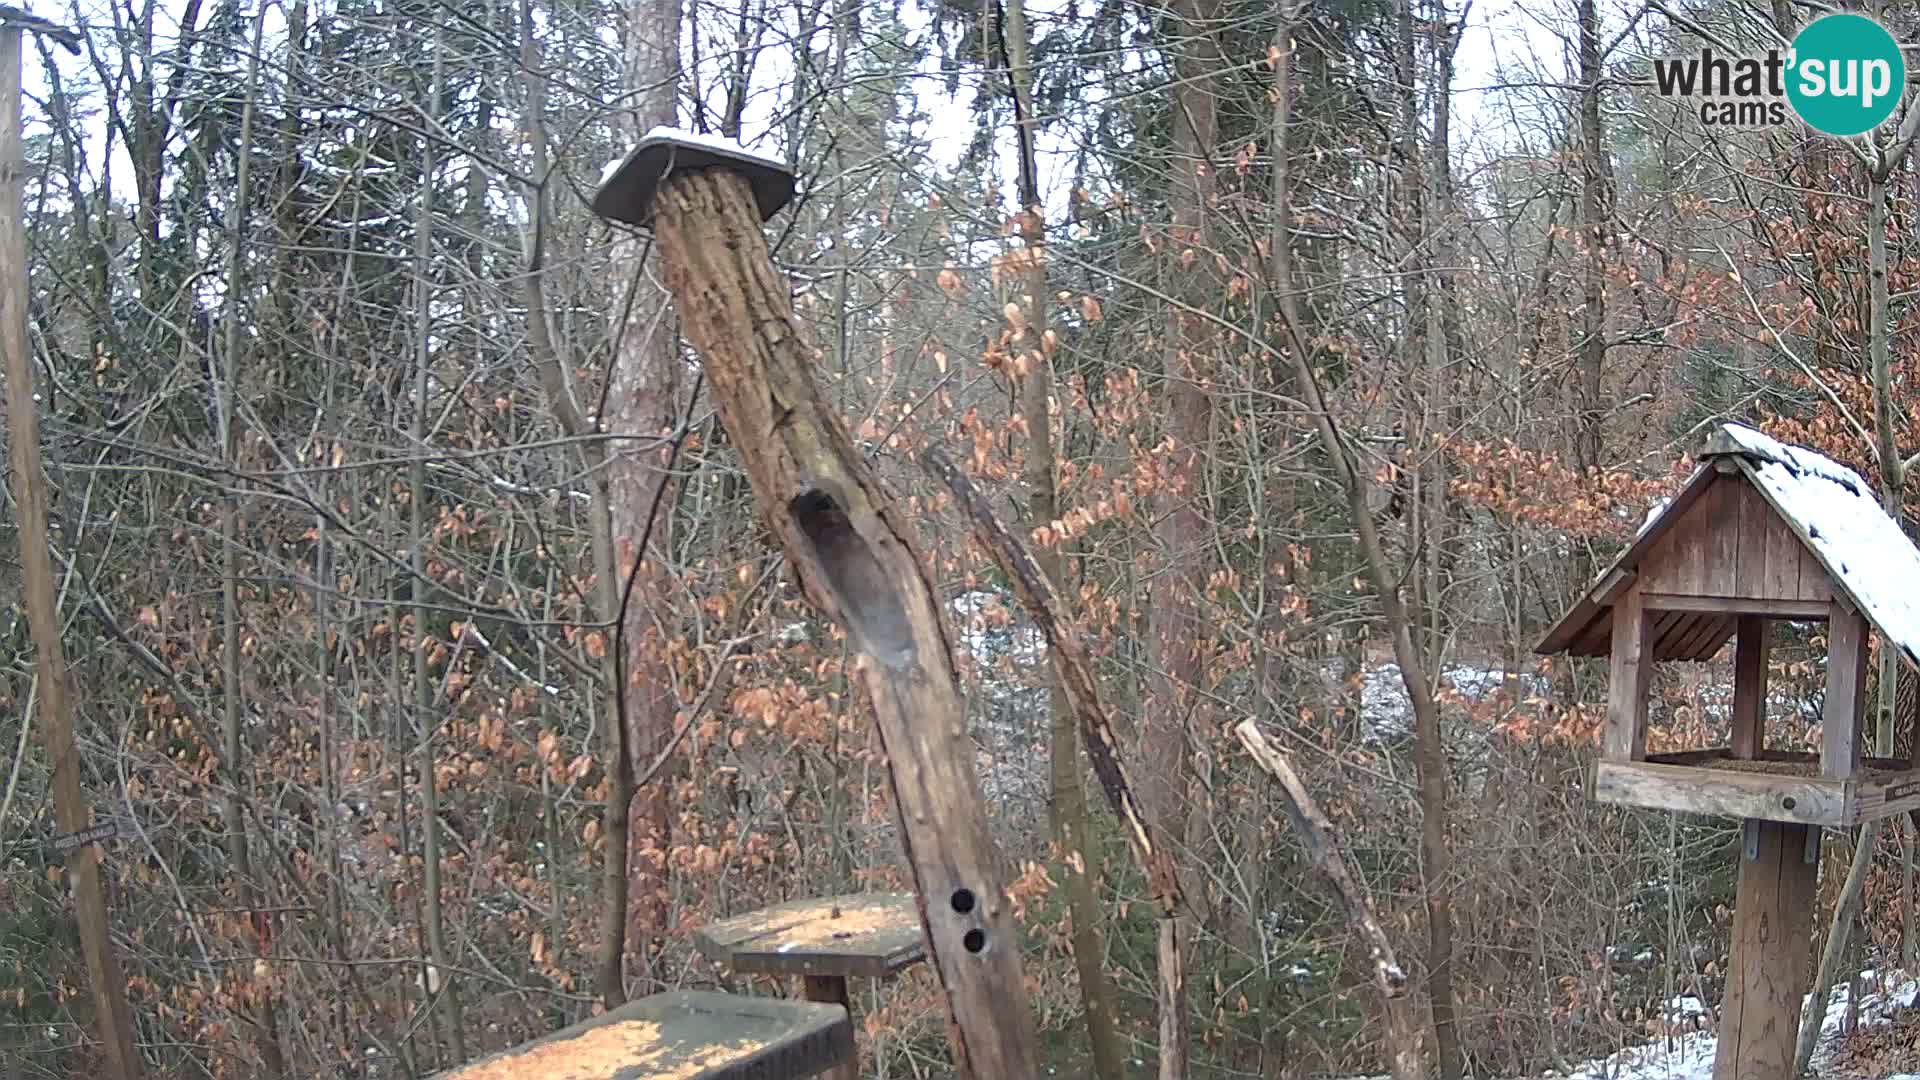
(1322, 844)
(1073, 665)
(855, 560)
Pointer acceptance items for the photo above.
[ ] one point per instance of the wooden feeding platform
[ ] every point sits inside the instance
(1761, 532)
(685, 1035)
(825, 942)
(867, 935)
(1774, 785)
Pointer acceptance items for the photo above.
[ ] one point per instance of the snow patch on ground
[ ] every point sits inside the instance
(1386, 712)
(992, 628)
(1690, 1056)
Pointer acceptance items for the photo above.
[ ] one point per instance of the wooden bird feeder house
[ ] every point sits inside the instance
(1761, 532)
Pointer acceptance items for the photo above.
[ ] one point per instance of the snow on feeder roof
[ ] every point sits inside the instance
(1760, 528)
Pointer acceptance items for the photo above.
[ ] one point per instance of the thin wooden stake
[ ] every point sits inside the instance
(36, 564)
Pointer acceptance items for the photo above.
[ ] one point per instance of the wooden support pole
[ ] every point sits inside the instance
(1767, 969)
(853, 553)
(1629, 675)
(1845, 708)
(36, 571)
(1749, 688)
(832, 990)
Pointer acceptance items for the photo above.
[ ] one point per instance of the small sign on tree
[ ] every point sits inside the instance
(69, 842)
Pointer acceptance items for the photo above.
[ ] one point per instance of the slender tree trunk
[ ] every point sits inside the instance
(642, 401)
(1594, 176)
(1845, 907)
(1409, 210)
(1416, 622)
(1885, 424)
(1442, 412)
(424, 723)
(233, 761)
(1909, 939)
(71, 811)
(1281, 573)
(1176, 630)
(1069, 803)
(1429, 755)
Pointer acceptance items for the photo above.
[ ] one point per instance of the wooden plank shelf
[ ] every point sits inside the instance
(684, 1035)
(1773, 786)
(867, 935)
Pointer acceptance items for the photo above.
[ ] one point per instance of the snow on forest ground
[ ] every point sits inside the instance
(1690, 1056)
(1386, 713)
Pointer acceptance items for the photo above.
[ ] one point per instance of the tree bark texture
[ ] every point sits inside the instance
(1176, 630)
(70, 808)
(855, 559)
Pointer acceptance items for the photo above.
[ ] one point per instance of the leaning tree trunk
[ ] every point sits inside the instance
(856, 559)
(1323, 849)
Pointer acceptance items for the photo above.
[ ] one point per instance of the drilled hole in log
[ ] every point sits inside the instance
(963, 900)
(868, 599)
(1788, 803)
(975, 941)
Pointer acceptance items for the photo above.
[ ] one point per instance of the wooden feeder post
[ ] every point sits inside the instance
(853, 553)
(825, 942)
(1761, 532)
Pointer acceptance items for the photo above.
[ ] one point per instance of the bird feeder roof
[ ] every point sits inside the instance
(1859, 553)
(629, 185)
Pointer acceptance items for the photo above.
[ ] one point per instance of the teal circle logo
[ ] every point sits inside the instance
(1846, 74)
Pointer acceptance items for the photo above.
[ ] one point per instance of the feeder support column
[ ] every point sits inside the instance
(854, 555)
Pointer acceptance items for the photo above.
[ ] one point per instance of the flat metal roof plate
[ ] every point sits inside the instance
(627, 191)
